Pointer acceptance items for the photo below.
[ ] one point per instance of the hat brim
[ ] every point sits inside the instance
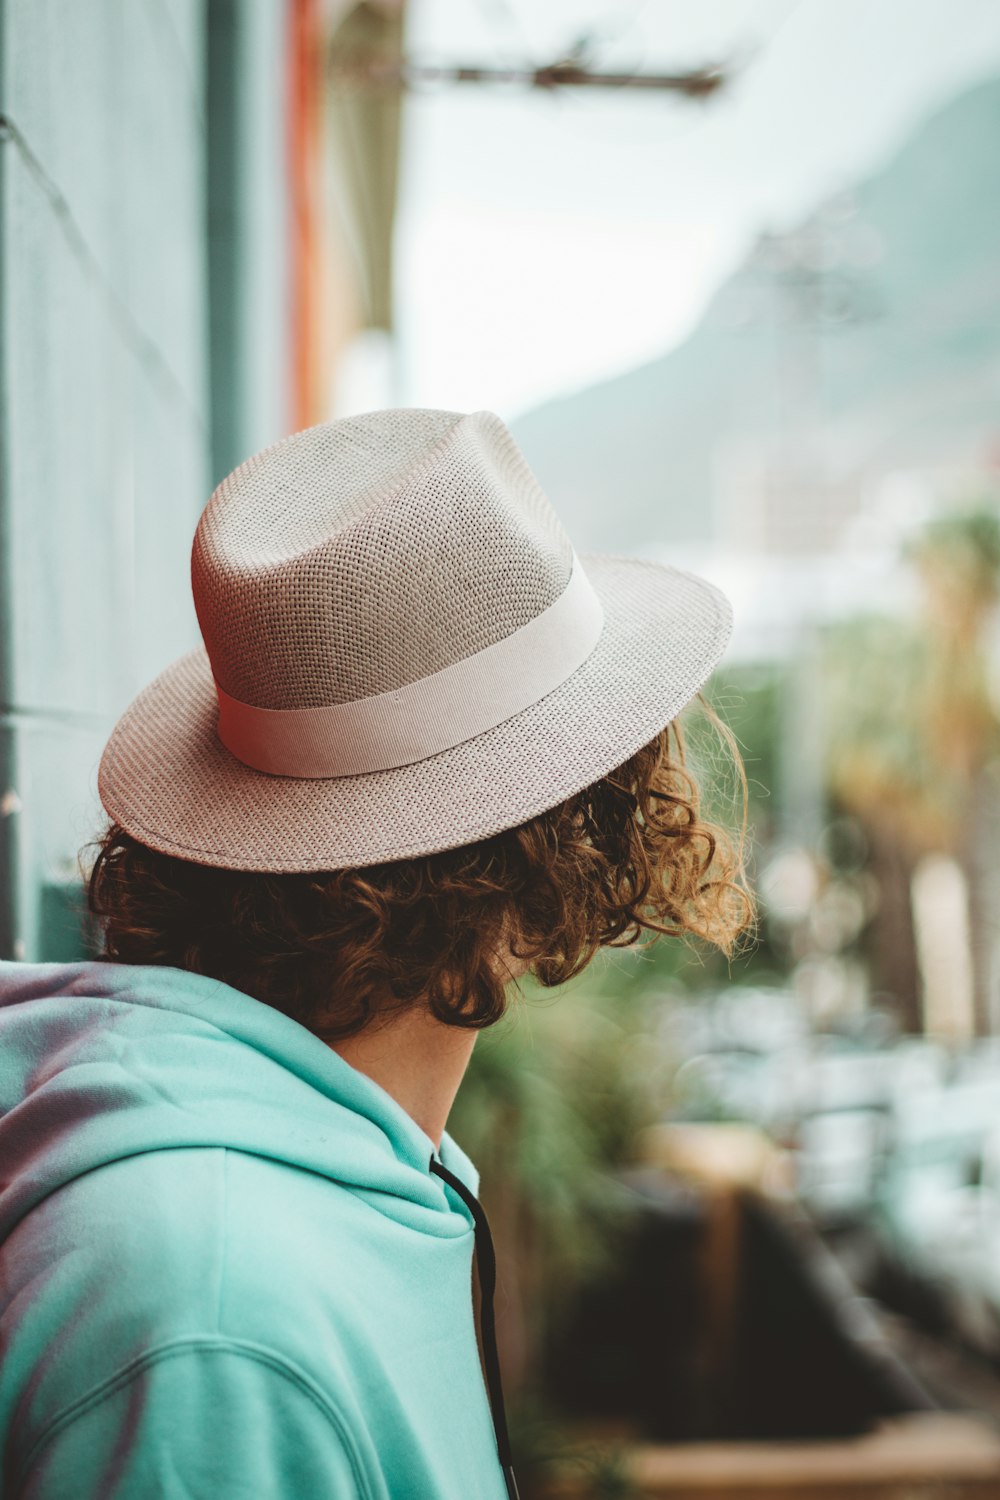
(167, 779)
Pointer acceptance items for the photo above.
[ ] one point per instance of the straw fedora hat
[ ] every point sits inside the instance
(402, 653)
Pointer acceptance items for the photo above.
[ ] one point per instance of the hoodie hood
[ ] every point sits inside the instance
(100, 1061)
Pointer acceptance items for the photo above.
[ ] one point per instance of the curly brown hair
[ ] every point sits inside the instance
(336, 949)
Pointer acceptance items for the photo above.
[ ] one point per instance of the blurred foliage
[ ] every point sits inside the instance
(912, 741)
(880, 764)
(553, 1098)
(552, 1102)
(910, 715)
(962, 549)
(748, 697)
(557, 1093)
(547, 1450)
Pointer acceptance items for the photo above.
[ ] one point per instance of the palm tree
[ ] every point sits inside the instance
(912, 737)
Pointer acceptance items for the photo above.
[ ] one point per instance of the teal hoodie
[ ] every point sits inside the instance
(231, 1264)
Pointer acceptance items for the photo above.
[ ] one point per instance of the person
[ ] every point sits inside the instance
(424, 749)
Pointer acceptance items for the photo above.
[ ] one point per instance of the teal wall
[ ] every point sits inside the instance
(112, 350)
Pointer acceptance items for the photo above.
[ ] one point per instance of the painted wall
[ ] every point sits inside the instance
(122, 317)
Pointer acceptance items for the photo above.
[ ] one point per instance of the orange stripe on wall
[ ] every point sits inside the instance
(309, 341)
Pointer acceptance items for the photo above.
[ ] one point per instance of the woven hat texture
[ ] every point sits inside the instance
(358, 557)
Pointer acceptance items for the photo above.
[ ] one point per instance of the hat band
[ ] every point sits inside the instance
(429, 715)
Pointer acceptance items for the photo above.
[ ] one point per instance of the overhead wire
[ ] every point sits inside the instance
(678, 130)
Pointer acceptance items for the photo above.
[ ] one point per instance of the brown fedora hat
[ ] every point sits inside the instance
(402, 653)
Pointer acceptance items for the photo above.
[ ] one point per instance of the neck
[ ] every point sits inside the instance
(418, 1060)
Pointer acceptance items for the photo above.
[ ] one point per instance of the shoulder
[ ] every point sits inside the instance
(171, 1245)
(235, 1419)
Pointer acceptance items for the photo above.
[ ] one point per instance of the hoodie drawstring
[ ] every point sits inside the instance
(486, 1261)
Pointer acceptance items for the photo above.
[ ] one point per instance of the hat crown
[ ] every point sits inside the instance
(361, 555)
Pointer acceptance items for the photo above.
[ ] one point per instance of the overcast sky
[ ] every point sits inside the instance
(547, 243)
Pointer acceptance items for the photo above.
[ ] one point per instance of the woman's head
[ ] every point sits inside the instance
(629, 854)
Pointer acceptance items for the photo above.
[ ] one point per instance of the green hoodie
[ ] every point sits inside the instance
(231, 1265)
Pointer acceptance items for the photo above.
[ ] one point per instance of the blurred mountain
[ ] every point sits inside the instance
(865, 339)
